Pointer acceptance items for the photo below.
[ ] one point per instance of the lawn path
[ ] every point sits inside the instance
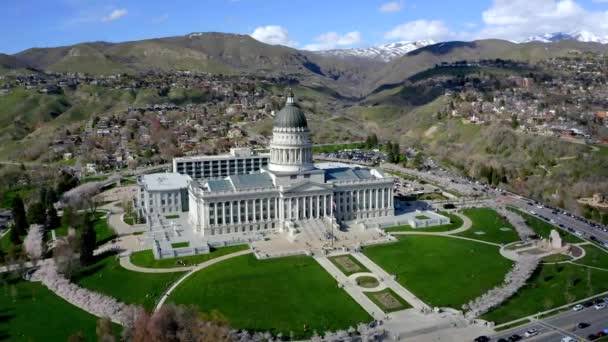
(125, 262)
(192, 271)
(391, 282)
(466, 225)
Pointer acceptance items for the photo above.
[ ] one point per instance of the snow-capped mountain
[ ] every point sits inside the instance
(385, 53)
(581, 36)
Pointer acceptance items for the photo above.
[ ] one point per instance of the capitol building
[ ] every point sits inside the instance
(289, 190)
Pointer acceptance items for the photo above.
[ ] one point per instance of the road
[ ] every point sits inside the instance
(587, 230)
(464, 186)
(556, 327)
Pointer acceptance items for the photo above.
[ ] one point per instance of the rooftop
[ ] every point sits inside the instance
(164, 181)
(240, 182)
(349, 174)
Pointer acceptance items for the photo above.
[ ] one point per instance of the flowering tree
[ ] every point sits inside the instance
(514, 280)
(523, 230)
(34, 242)
(93, 302)
(83, 196)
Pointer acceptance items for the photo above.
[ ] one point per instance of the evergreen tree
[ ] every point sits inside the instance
(87, 240)
(42, 199)
(36, 213)
(14, 236)
(68, 218)
(19, 216)
(52, 220)
(396, 153)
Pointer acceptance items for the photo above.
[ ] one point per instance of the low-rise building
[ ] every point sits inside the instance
(162, 194)
(238, 161)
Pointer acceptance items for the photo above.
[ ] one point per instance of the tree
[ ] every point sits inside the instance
(14, 236)
(52, 220)
(104, 330)
(34, 242)
(19, 216)
(64, 255)
(83, 196)
(418, 160)
(68, 219)
(36, 213)
(87, 240)
(514, 121)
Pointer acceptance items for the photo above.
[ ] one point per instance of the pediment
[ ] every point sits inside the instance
(309, 187)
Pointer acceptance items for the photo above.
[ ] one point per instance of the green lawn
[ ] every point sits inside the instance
(455, 223)
(401, 303)
(288, 295)
(180, 244)
(31, 312)
(103, 231)
(170, 217)
(442, 271)
(145, 258)
(551, 286)
(489, 222)
(543, 228)
(6, 197)
(128, 220)
(556, 258)
(594, 256)
(108, 277)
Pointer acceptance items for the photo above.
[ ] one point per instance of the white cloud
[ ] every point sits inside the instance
(332, 40)
(273, 34)
(418, 30)
(160, 19)
(115, 15)
(391, 7)
(519, 19)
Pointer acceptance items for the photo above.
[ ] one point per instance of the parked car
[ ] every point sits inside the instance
(482, 339)
(569, 339)
(578, 307)
(599, 306)
(514, 338)
(583, 325)
(531, 332)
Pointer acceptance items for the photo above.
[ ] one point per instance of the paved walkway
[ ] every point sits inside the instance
(115, 220)
(125, 262)
(195, 269)
(351, 288)
(391, 282)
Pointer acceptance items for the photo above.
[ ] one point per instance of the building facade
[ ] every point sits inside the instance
(162, 194)
(289, 189)
(238, 161)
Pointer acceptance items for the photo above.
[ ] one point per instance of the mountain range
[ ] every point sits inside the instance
(347, 72)
(581, 36)
(384, 53)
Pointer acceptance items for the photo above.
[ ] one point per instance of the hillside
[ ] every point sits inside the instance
(424, 58)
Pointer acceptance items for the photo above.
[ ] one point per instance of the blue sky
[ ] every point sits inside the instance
(307, 24)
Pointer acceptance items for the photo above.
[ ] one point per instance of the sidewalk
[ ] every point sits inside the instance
(390, 282)
(353, 290)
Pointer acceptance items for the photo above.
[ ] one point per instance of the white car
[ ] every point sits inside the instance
(578, 232)
(599, 306)
(531, 332)
(578, 307)
(569, 339)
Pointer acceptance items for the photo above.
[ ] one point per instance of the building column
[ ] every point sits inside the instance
(238, 208)
(247, 210)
